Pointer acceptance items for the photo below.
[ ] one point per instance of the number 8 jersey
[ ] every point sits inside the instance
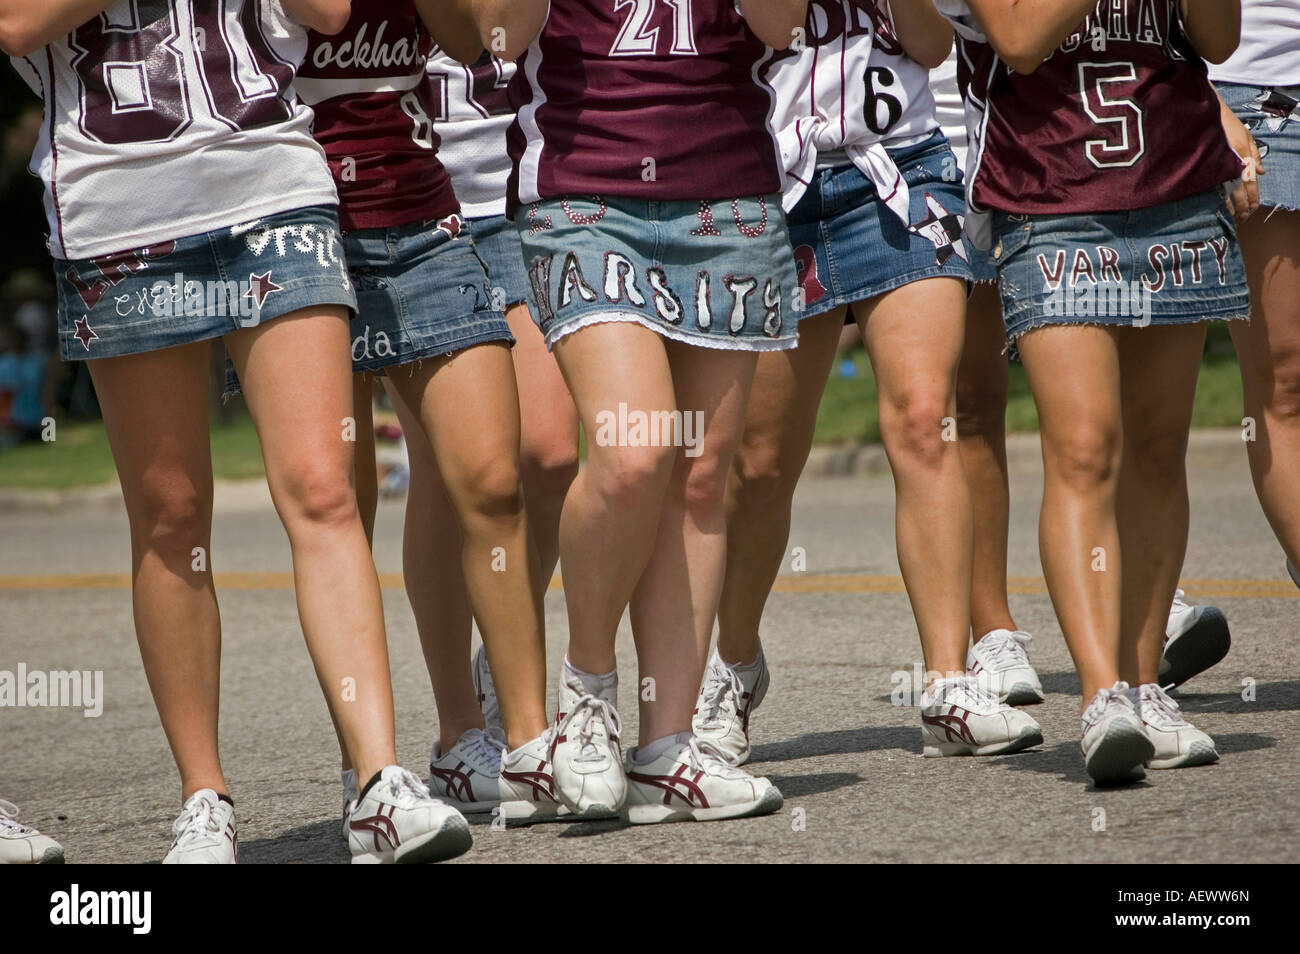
(1120, 116)
(168, 118)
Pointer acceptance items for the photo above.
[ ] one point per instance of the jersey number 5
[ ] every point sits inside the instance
(1120, 120)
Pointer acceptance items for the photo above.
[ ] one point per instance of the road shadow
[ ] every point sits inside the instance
(840, 742)
(1063, 760)
(1230, 743)
(1269, 697)
(318, 843)
(800, 786)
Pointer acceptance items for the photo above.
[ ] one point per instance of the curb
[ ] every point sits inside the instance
(1208, 447)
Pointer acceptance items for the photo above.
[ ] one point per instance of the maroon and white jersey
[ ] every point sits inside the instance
(472, 124)
(948, 107)
(168, 118)
(375, 108)
(649, 99)
(1269, 52)
(1121, 116)
(849, 89)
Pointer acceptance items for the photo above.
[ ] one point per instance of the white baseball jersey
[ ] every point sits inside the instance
(169, 118)
(850, 88)
(948, 107)
(472, 125)
(1269, 52)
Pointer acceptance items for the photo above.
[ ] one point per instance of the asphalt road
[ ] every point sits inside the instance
(845, 758)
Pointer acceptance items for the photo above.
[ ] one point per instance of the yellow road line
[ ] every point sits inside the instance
(789, 583)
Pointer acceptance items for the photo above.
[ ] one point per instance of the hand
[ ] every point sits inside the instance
(1243, 200)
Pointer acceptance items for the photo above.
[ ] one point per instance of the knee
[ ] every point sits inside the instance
(917, 430)
(762, 477)
(631, 477)
(981, 411)
(1084, 459)
(172, 520)
(1283, 398)
(704, 487)
(491, 488)
(317, 495)
(1157, 457)
(547, 474)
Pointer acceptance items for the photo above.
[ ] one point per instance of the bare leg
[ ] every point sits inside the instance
(982, 427)
(779, 423)
(1268, 350)
(1075, 378)
(1158, 370)
(165, 467)
(309, 468)
(676, 600)
(469, 409)
(914, 336)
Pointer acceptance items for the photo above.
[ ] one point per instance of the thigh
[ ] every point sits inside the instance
(614, 363)
(155, 408)
(714, 385)
(297, 380)
(1270, 342)
(1074, 375)
(1159, 366)
(788, 388)
(914, 336)
(547, 415)
(984, 367)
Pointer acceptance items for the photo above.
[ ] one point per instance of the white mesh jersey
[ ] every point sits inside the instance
(851, 88)
(948, 107)
(1269, 52)
(472, 124)
(169, 118)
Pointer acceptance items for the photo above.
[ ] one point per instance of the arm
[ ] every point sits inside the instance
(1244, 200)
(26, 26)
(323, 16)
(1025, 32)
(925, 35)
(1213, 26)
(518, 20)
(453, 28)
(774, 21)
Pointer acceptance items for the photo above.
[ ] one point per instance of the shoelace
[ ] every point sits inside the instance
(1105, 698)
(1169, 715)
(708, 756)
(405, 788)
(9, 818)
(1008, 647)
(970, 686)
(198, 821)
(488, 750)
(718, 681)
(587, 710)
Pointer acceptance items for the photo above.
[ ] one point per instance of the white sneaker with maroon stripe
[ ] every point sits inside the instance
(396, 820)
(1000, 661)
(465, 776)
(204, 832)
(487, 692)
(349, 778)
(1114, 743)
(526, 787)
(692, 780)
(22, 844)
(728, 697)
(586, 759)
(959, 718)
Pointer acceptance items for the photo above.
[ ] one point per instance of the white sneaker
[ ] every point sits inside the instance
(1177, 742)
(1115, 745)
(1196, 638)
(205, 832)
(487, 693)
(586, 760)
(728, 697)
(22, 844)
(1000, 661)
(526, 787)
(349, 778)
(692, 780)
(959, 718)
(396, 820)
(465, 776)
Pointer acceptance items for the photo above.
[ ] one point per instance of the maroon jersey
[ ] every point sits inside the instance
(650, 99)
(373, 104)
(1121, 116)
